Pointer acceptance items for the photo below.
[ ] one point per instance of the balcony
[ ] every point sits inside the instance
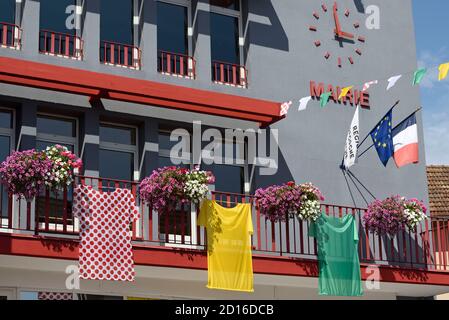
(120, 55)
(229, 74)
(50, 217)
(10, 36)
(60, 44)
(174, 64)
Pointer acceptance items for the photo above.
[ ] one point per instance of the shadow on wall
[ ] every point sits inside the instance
(282, 175)
(264, 27)
(261, 24)
(360, 6)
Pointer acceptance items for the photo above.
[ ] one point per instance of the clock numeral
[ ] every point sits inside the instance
(339, 62)
(316, 15)
(317, 43)
(356, 25)
(327, 55)
(347, 12)
(359, 52)
(324, 7)
(312, 28)
(361, 39)
(351, 61)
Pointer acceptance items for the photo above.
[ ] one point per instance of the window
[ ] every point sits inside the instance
(230, 174)
(166, 145)
(226, 32)
(116, 18)
(57, 34)
(53, 130)
(225, 37)
(118, 152)
(54, 16)
(228, 4)
(9, 33)
(6, 146)
(177, 223)
(117, 34)
(7, 11)
(228, 178)
(173, 21)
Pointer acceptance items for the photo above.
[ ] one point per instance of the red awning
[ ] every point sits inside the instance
(101, 85)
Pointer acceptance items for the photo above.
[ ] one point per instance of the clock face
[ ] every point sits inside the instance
(345, 31)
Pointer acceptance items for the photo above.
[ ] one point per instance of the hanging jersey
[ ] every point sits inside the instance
(228, 246)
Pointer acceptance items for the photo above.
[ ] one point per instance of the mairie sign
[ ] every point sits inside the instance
(354, 97)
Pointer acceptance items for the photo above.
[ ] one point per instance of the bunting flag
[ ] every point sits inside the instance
(444, 69)
(392, 81)
(324, 99)
(405, 142)
(382, 138)
(303, 103)
(344, 92)
(369, 84)
(284, 108)
(352, 141)
(419, 75)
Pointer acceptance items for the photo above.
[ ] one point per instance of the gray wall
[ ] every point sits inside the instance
(282, 59)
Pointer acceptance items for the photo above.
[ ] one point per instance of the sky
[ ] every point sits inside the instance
(432, 42)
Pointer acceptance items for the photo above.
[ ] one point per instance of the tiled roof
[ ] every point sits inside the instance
(438, 179)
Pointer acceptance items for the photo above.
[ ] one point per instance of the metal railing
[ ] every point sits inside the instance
(10, 35)
(119, 54)
(60, 44)
(229, 74)
(51, 212)
(176, 64)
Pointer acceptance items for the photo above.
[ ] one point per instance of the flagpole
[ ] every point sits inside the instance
(368, 135)
(417, 109)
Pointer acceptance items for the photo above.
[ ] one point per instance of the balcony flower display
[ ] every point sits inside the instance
(389, 216)
(311, 197)
(385, 217)
(24, 172)
(278, 202)
(195, 186)
(170, 185)
(64, 163)
(414, 213)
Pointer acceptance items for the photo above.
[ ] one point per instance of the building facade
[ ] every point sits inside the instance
(112, 80)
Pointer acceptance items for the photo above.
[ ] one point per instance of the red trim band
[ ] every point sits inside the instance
(94, 84)
(56, 248)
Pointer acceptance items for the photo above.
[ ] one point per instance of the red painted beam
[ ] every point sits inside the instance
(52, 77)
(16, 80)
(188, 107)
(57, 248)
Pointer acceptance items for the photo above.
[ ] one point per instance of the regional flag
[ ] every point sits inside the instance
(352, 141)
(405, 142)
(382, 138)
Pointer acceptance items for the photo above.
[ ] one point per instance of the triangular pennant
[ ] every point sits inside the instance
(344, 92)
(324, 99)
(303, 103)
(444, 69)
(284, 108)
(392, 81)
(419, 75)
(369, 84)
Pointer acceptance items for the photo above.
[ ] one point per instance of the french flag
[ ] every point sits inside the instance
(405, 142)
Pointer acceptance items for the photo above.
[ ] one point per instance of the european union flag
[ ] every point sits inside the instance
(383, 138)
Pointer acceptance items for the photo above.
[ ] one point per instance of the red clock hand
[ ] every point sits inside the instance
(337, 22)
(338, 31)
(346, 35)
